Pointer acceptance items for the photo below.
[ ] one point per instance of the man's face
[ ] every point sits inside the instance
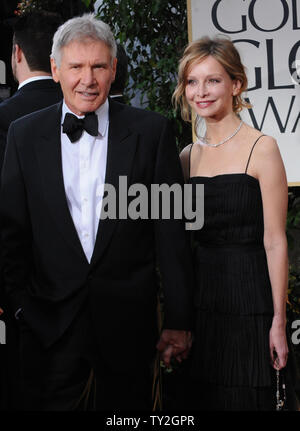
(85, 74)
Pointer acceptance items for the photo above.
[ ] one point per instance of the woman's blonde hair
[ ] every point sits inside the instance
(224, 51)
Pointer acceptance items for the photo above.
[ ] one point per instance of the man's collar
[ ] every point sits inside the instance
(34, 78)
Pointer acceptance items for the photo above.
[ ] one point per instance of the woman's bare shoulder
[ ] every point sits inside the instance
(264, 143)
(185, 161)
(186, 151)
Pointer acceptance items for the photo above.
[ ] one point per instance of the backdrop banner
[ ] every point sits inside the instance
(267, 35)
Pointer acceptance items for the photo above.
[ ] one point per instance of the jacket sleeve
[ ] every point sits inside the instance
(172, 240)
(15, 225)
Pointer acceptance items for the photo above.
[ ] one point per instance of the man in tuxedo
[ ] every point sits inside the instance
(32, 41)
(84, 287)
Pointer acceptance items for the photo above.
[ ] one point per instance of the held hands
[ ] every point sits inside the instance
(174, 343)
(278, 345)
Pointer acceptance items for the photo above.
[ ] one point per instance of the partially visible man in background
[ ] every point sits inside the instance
(118, 86)
(30, 61)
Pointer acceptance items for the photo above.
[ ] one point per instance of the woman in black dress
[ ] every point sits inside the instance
(241, 259)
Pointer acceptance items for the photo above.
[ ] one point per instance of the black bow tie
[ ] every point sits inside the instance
(74, 126)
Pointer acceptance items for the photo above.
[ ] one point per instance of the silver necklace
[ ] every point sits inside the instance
(205, 140)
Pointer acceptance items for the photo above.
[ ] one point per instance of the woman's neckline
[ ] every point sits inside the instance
(224, 175)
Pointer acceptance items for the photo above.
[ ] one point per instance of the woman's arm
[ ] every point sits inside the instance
(274, 189)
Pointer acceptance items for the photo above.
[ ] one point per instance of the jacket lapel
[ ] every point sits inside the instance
(48, 152)
(122, 144)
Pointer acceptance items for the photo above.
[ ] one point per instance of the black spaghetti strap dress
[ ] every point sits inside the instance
(230, 362)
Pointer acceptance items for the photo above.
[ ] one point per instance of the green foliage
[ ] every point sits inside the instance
(87, 3)
(66, 8)
(30, 5)
(154, 34)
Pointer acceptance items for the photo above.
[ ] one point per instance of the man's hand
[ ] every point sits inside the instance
(174, 343)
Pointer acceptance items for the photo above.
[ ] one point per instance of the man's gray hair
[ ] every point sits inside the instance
(79, 29)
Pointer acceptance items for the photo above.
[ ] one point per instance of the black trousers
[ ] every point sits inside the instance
(72, 375)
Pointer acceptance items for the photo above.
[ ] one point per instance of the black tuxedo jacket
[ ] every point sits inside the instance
(29, 98)
(46, 271)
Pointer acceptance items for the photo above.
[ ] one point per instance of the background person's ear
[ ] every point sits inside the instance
(18, 53)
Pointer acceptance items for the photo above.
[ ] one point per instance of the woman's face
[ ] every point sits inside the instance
(209, 89)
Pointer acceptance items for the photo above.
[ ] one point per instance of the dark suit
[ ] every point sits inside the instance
(29, 98)
(46, 271)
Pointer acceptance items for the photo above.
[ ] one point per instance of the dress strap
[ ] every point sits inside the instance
(252, 151)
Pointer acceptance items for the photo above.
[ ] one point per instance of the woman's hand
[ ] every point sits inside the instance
(278, 344)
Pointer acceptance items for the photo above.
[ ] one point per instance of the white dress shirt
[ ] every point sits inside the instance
(84, 167)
